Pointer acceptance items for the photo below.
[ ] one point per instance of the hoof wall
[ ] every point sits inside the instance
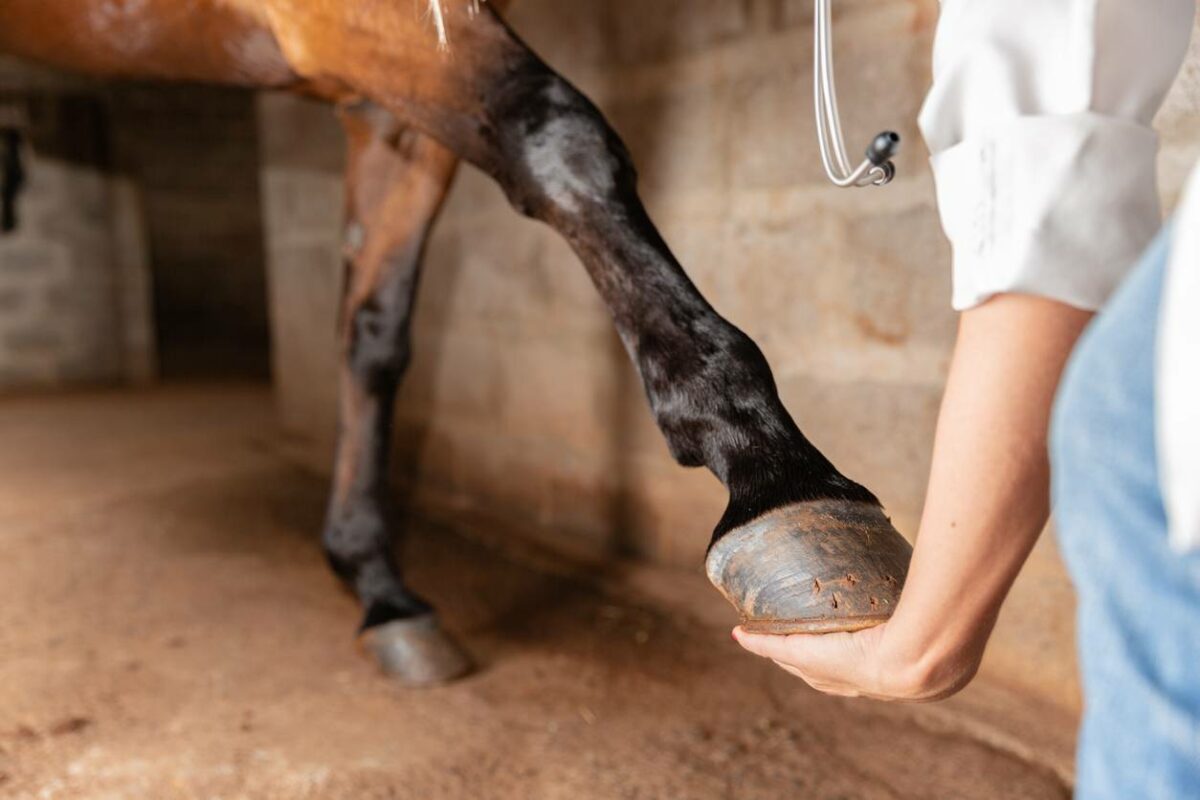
(417, 651)
(819, 567)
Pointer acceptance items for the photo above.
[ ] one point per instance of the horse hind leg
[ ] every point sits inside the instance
(396, 181)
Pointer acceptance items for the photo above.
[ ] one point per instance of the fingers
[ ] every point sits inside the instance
(844, 664)
(832, 663)
(811, 653)
(776, 648)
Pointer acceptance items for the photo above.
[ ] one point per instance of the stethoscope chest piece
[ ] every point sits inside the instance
(877, 168)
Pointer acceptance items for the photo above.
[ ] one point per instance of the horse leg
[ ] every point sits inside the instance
(396, 181)
(800, 546)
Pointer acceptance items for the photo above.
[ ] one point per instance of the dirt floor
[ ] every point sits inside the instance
(168, 629)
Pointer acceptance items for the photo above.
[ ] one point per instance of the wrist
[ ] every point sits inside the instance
(920, 658)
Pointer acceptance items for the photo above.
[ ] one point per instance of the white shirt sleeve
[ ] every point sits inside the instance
(1039, 124)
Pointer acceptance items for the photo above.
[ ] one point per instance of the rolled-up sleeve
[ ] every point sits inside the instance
(1039, 126)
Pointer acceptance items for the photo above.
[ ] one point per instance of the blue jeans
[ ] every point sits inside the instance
(1139, 602)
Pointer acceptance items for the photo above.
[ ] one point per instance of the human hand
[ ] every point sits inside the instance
(988, 501)
(871, 663)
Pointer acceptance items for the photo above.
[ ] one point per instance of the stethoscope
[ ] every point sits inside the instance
(877, 168)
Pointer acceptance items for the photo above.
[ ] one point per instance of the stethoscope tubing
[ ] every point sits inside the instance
(877, 168)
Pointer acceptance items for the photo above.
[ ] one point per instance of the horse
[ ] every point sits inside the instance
(799, 548)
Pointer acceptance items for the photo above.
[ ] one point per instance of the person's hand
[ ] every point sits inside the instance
(987, 502)
(869, 663)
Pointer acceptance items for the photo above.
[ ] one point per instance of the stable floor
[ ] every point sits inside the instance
(168, 629)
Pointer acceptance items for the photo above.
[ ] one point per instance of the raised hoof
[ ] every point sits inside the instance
(416, 651)
(817, 567)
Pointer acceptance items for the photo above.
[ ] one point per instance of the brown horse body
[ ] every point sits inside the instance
(411, 111)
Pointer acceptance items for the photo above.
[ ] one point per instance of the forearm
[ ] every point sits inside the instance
(987, 501)
(988, 494)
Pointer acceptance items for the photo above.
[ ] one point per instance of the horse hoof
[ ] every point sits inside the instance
(417, 652)
(816, 567)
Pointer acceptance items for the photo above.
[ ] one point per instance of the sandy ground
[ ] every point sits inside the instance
(168, 629)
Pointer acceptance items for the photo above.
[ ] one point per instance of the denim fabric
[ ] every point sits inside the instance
(1139, 602)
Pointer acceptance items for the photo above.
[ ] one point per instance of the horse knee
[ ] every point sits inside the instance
(378, 351)
(556, 154)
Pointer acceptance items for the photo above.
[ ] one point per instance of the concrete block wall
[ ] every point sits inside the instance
(74, 282)
(73, 298)
(521, 410)
(302, 154)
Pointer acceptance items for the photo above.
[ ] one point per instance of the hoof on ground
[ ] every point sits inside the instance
(818, 567)
(417, 652)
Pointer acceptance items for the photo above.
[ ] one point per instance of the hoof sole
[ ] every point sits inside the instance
(417, 652)
(819, 567)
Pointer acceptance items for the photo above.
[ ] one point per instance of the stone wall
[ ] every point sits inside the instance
(74, 284)
(521, 411)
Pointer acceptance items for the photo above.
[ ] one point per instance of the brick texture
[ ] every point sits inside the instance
(74, 301)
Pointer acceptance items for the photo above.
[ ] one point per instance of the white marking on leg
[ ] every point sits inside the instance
(569, 157)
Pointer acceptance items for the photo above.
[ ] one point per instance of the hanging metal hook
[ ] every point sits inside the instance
(877, 168)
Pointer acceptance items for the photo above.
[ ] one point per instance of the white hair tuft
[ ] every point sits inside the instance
(439, 19)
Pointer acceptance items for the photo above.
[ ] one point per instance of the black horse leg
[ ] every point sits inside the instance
(396, 181)
(709, 386)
